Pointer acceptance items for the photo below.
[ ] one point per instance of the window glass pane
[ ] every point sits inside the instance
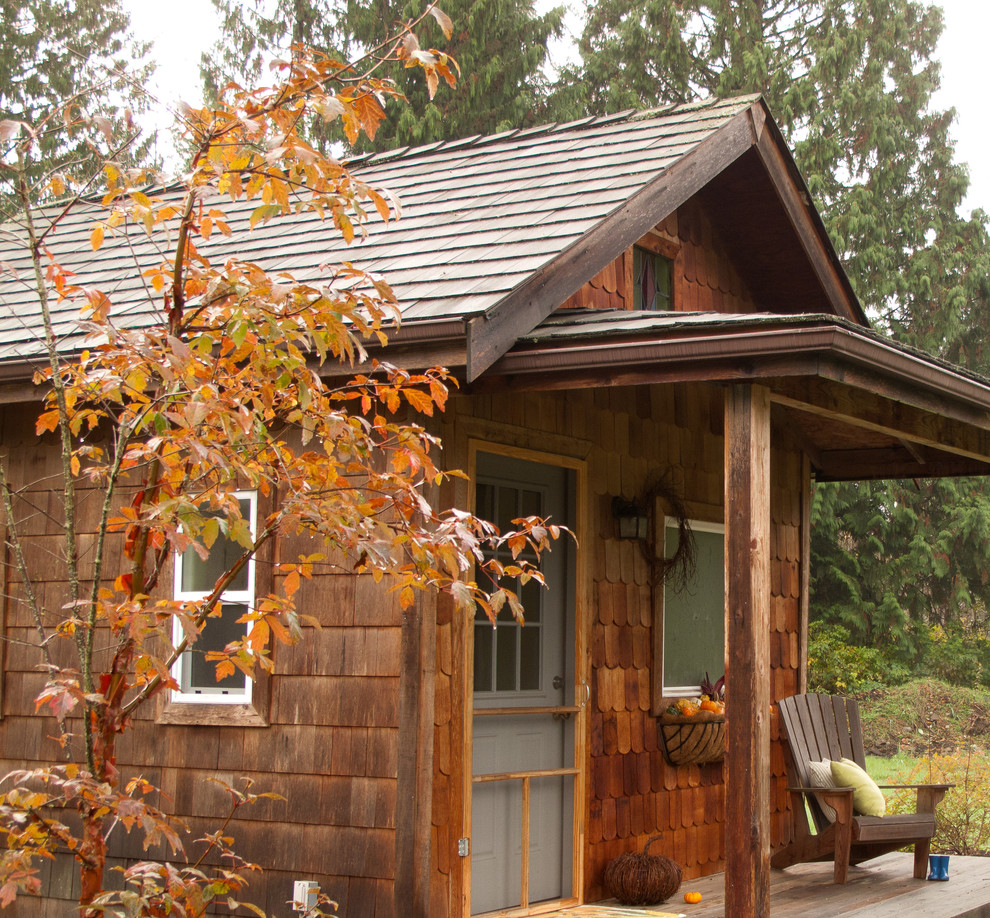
(532, 503)
(531, 596)
(651, 280)
(485, 502)
(507, 508)
(694, 618)
(200, 576)
(529, 664)
(505, 658)
(663, 283)
(484, 635)
(217, 633)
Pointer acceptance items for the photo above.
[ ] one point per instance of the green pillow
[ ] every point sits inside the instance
(867, 797)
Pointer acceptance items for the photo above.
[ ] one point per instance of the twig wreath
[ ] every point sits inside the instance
(677, 570)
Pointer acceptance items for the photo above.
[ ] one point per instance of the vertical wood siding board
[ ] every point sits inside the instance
(596, 742)
(632, 592)
(644, 776)
(612, 646)
(620, 599)
(613, 570)
(622, 818)
(615, 776)
(608, 819)
(616, 678)
(658, 772)
(625, 640)
(600, 689)
(636, 741)
(643, 603)
(599, 656)
(636, 816)
(595, 827)
(640, 647)
(630, 690)
(651, 736)
(630, 774)
(643, 682)
(360, 897)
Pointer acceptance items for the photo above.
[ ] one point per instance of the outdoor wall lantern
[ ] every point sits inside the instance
(634, 523)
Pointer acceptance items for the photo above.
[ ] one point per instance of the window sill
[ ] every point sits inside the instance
(211, 715)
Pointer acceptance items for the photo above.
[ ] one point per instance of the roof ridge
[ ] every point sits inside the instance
(588, 121)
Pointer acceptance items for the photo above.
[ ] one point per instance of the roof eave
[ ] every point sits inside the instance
(491, 335)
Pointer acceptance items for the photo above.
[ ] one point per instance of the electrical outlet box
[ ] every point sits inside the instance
(304, 895)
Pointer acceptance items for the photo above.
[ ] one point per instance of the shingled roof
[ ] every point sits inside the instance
(495, 231)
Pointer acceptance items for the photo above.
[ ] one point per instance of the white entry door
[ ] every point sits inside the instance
(523, 733)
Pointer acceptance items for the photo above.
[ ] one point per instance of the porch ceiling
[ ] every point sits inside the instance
(860, 406)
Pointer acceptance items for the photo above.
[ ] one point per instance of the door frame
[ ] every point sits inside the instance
(581, 669)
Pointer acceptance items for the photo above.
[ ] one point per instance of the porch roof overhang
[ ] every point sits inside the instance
(861, 406)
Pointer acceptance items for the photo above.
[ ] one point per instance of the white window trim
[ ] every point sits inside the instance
(240, 597)
(684, 691)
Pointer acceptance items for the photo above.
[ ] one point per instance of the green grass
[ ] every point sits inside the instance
(894, 770)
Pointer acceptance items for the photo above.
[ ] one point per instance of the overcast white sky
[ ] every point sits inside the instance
(190, 26)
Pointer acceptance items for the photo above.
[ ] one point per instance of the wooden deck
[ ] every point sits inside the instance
(884, 888)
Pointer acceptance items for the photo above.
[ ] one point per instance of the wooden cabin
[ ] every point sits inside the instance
(649, 322)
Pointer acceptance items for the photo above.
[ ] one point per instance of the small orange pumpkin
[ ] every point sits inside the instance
(713, 706)
(692, 897)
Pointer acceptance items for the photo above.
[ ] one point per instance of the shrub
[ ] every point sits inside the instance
(964, 815)
(838, 667)
(954, 656)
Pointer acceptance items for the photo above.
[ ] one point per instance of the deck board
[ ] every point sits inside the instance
(883, 888)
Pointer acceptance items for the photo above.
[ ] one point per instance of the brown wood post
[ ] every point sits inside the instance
(805, 602)
(414, 778)
(747, 658)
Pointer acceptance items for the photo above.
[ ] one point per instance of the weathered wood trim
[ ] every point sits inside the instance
(747, 547)
(414, 778)
(891, 462)
(489, 336)
(804, 606)
(501, 436)
(870, 410)
(464, 652)
(808, 227)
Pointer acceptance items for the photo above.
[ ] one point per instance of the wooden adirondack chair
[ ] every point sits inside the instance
(828, 727)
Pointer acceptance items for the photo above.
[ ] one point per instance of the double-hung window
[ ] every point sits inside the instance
(195, 578)
(694, 616)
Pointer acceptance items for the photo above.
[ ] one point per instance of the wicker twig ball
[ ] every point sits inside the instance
(644, 878)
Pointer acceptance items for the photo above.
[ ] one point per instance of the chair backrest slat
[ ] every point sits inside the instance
(821, 727)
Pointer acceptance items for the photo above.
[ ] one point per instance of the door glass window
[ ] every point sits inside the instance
(507, 657)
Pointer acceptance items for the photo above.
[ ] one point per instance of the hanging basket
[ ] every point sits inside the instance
(696, 740)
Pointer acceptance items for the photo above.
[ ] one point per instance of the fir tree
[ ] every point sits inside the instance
(501, 48)
(850, 82)
(70, 59)
(499, 45)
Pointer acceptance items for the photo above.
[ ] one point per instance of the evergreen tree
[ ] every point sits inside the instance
(254, 32)
(75, 55)
(501, 48)
(499, 45)
(850, 83)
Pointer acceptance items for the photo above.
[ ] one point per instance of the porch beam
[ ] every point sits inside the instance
(747, 664)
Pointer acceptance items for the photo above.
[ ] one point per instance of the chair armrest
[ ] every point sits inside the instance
(820, 790)
(839, 798)
(943, 787)
(929, 795)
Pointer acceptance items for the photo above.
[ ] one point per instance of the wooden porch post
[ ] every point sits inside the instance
(414, 778)
(747, 661)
